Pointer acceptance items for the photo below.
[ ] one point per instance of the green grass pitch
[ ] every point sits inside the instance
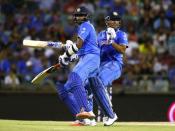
(19, 125)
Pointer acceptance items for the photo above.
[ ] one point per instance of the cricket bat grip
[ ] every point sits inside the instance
(54, 68)
(55, 44)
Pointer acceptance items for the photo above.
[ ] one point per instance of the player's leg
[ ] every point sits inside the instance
(90, 102)
(74, 95)
(88, 89)
(68, 98)
(101, 116)
(113, 70)
(108, 72)
(75, 84)
(86, 122)
(87, 68)
(101, 96)
(89, 94)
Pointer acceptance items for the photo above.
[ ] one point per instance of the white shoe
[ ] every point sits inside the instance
(88, 122)
(84, 122)
(110, 121)
(93, 122)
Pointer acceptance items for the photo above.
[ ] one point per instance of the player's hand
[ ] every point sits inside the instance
(74, 57)
(68, 44)
(111, 34)
(70, 47)
(63, 59)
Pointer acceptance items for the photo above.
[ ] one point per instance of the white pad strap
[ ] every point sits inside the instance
(72, 50)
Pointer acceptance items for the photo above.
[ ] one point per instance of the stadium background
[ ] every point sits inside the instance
(143, 93)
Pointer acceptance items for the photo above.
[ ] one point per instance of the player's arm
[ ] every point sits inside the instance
(79, 42)
(118, 42)
(71, 51)
(120, 48)
(82, 35)
(72, 47)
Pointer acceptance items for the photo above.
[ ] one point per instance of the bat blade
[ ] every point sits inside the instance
(41, 44)
(34, 43)
(42, 75)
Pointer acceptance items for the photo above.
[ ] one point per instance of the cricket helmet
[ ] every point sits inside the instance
(114, 16)
(79, 12)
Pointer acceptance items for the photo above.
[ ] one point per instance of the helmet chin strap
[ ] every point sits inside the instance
(116, 27)
(78, 21)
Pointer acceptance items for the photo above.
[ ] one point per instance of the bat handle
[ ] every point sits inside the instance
(57, 65)
(55, 44)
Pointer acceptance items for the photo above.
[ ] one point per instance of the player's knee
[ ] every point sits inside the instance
(74, 81)
(106, 81)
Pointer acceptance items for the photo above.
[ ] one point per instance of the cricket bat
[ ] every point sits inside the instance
(42, 44)
(45, 73)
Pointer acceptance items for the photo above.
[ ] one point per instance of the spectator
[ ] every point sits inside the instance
(171, 76)
(171, 41)
(12, 79)
(5, 64)
(147, 47)
(161, 84)
(145, 84)
(46, 4)
(160, 41)
(150, 26)
(119, 6)
(161, 21)
(133, 9)
(159, 66)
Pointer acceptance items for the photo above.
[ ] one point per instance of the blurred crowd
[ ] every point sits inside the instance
(149, 60)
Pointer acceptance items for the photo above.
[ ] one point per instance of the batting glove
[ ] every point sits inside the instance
(68, 44)
(63, 60)
(111, 34)
(71, 48)
(74, 57)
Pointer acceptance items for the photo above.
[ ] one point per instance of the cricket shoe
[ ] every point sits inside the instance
(84, 122)
(77, 123)
(110, 121)
(84, 115)
(88, 122)
(92, 122)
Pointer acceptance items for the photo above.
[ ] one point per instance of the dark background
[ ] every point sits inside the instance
(32, 106)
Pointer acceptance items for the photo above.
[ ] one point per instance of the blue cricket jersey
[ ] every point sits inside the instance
(108, 52)
(87, 33)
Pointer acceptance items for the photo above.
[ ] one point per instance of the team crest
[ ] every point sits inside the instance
(83, 30)
(115, 13)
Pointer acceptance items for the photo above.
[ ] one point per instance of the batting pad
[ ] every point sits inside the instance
(101, 96)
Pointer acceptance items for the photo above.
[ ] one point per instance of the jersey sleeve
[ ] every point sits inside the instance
(121, 38)
(83, 32)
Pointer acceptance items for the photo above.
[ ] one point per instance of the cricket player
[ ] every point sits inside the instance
(113, 43)
(73, 93)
